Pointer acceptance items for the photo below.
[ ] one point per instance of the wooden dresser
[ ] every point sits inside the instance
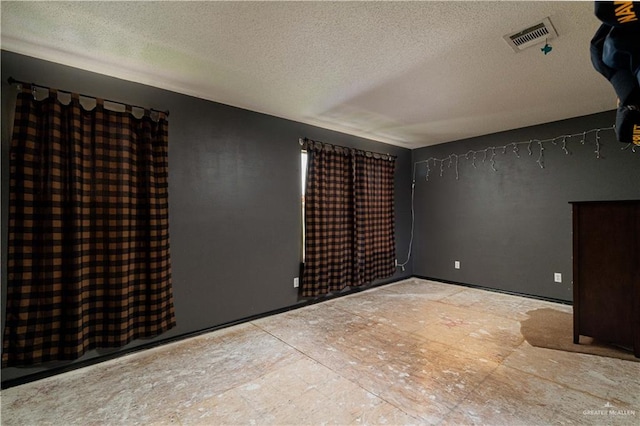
(606, 272)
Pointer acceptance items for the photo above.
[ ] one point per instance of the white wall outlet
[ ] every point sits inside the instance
(296, 282)
(557, 277)
(456, 264)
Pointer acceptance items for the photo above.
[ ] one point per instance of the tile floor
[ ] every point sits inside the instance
(413, 352)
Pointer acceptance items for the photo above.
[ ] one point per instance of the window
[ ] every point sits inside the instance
(348, 218)
(303, 176)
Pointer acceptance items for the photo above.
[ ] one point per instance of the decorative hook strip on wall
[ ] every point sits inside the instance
(489, 153)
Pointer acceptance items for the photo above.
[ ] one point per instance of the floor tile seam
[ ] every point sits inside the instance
(286, 343)
(468, 308)
(260, 375)
(472, 390)
(410, 334)
(486, 377)
(563, 385)
(376, 394)
(388, 292)
(414, 335)
(421, 282)
(424, 339)
(238, 386)
(581, 390)
(543, 378)
(459, 289)
(472, 354)
(355, 418)
(361, 316)
(247, 401)
(217, 394)
(477, 310)
(301, 352)
(431, 297)
(524, 299)
(356, 383)
(404, 293)
(368, 318)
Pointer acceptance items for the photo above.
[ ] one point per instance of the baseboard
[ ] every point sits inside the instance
(302, 303)
(497, 290)
(6, 384)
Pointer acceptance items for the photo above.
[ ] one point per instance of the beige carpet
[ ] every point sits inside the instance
(548, 328)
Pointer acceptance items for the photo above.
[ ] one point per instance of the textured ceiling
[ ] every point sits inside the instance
(407, 73)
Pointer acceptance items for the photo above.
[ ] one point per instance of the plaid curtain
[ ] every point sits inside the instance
(349, 219)
(88, 252)
(375, 248)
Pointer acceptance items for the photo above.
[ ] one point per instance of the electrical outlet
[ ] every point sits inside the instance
(557, 277)
(296, 282)
(456, 264)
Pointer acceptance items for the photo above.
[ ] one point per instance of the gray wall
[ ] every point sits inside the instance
(511, 229)
(234, 195)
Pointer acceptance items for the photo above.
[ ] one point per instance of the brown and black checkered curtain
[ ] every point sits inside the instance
(375, 248)
(88, 252)
(349, 219)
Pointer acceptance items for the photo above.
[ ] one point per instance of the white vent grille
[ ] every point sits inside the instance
(534, 34)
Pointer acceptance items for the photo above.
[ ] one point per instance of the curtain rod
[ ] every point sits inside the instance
(12, 80)
(303, 140)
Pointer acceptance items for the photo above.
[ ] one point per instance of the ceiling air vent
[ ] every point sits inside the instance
(535, 34)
